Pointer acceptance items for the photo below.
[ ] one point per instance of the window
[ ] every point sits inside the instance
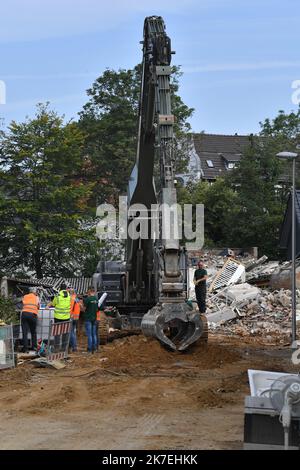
(231, 165)
(209, 164)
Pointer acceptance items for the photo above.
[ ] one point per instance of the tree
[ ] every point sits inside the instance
(218, 200)
(258, 212)
(247, 207)
(262, 185)
(110, 122)
(44, 207)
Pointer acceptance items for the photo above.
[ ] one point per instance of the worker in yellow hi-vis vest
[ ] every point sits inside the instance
(62, 311)
(62, 305)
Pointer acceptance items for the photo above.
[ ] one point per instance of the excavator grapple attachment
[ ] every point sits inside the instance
(175, 325)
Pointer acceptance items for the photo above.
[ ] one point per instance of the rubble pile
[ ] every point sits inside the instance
(258, 271)
(257, 304)
(214, 263)
(262, 273)
(253, 312)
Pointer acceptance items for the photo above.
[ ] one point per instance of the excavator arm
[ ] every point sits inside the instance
(156, 269)
(151, 289)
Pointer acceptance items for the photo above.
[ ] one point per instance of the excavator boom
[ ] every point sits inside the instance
(154, 281)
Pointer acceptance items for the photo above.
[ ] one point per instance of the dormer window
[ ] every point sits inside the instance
(231, 165)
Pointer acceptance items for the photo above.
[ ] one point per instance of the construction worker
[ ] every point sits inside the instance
(75, 313)
(200, 277)
(62, 312)
(98, 318)
(100, 311)
(62, 305)
(30, 310)
(90, 319)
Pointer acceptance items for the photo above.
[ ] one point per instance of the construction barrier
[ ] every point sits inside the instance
(58, 340)
(45, 316)
(46, 331)
(7, 358)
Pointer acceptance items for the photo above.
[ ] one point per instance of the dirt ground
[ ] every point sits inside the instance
(134, 394)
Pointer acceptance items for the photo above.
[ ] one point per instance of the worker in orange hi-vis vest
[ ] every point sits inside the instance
(75, 313)
(30, 310)
(101, 304)
(97, 328)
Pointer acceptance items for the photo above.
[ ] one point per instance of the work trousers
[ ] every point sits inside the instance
(73, 335)
(200, 292)
(28, 322)
(91, 332)
(97, 333)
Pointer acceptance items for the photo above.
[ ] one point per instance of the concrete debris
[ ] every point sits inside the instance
(281, 278)
(261, 274)
(255, 304)
(255, 263)
(223, 270)
(220, 317)
(43, 362)
(242, 292)
(274, 274)
(263, 313)
(283, 299)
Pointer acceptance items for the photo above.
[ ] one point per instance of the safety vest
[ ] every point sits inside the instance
(62, 304)
(30, 303)
(98, 315)
(75, 308)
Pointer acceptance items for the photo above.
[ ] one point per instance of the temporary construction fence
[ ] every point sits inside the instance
(53, 338)
(45, 316)
(56, 343)
(58, 340)
(7, 358)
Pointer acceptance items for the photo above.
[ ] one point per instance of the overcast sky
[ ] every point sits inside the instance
(239, 57)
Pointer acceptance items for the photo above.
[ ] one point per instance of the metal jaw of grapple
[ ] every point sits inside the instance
(183, 324)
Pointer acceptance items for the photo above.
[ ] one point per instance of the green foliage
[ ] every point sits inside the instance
(218, 199)
(43, 202)
(247, 207)
(110, 122)
(257, 216)
(8, 313)
(262, 183)
(53, 175)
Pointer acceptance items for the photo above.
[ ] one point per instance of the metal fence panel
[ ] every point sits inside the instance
(58, 340)
(7, 359)
(231, 271)
(45, 316)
